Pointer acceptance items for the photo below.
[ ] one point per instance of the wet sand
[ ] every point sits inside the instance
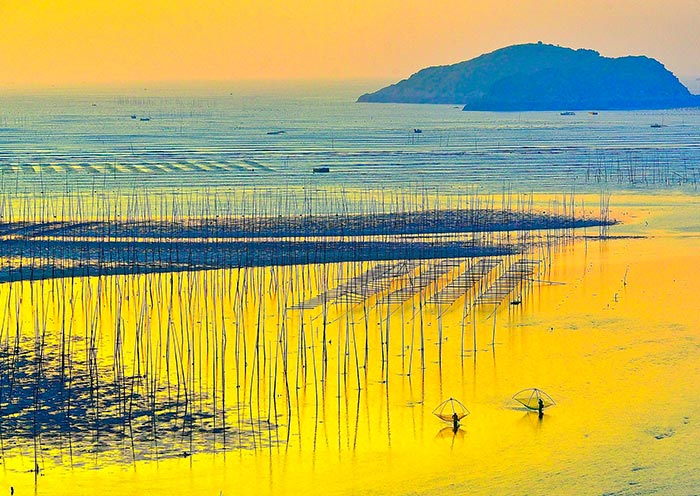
(612, 334)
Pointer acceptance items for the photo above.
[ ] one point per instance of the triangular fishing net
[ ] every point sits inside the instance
(445, 411)
(529, 398)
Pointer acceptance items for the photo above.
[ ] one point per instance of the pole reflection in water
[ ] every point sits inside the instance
(136, 367)
(123, 369)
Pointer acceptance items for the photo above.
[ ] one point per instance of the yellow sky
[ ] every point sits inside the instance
(61, 42)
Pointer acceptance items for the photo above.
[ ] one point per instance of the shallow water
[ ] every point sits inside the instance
(238, 381)
(611, 334)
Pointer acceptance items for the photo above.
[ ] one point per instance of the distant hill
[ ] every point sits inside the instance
(538, 76)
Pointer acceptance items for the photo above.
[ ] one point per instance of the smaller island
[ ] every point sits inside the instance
(538, 76)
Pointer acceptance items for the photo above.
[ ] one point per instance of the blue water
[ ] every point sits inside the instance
(216, 136)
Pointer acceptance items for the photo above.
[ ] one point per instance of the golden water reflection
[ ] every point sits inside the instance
(221, 382)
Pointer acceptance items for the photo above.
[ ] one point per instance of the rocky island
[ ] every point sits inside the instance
(539, 76)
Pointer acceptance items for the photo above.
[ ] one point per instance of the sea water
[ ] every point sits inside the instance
(257, 135)
(285, 401)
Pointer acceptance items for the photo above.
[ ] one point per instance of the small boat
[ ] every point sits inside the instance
(145, 119)
(417, 131)
(133, 116)
(321, 170)
(275, 133)
(593, 113)
(657, 125)
(567, 113)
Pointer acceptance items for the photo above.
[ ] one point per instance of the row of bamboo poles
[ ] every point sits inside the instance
(140, 365)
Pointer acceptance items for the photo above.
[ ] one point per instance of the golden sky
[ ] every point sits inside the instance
(63, 42)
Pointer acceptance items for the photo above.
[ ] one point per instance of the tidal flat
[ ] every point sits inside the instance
(232, 381)
(188, 308)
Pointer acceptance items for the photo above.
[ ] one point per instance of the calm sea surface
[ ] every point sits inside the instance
(271, 135)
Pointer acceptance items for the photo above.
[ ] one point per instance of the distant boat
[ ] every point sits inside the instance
(593, 113)
(133, 116)
(273, 133)
(321, 170)
(567, 113)
(657, 124)
(145, 119)
(417, 131)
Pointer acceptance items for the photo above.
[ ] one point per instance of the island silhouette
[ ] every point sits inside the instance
(539, 76)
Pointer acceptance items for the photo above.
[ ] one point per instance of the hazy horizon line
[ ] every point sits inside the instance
(166, 83)
(692, 82)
